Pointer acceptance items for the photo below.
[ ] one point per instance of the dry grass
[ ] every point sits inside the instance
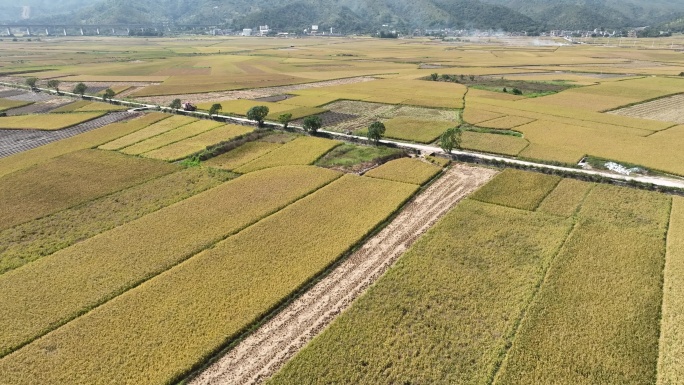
(445, 312)
(175, 135)
(186, 147)
(596, 318)
(304, 150)
(670, 361)
(517, 189)
(35, 239)
(47, 122)
(405, 170)
(69, 180)
(55, 289)
(160, 127)
(242, 155)
(200, 305)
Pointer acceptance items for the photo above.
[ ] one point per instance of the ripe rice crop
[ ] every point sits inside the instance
(670, 360)
(596, 318)
(507, 189)
(494, 143)
(242, 155)
(6, 104)
(47, 122)
(83, 141)
(194, 309)
(175, 135)
(168, 124)
(406, 170)
(506, 122)
(475, 116)
(422, 131)
(35, 239)
(566, 198)
(304, 150)
(71, 107)
(69, 180)
(192, 145)
(71, 281)
(98, 106)
(445, 312)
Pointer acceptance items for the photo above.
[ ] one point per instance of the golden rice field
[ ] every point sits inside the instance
(42, 122)
(169, 137)
(251, 271)
(71, 107)
(566, 198)
(69, 180)
(406, 170)
(64, 285)
(169, 123)
(242, 155)
(446, 311)
(32, 240)
(6, 104)
(671, 347)
(493, 143)
(80, 142)
(505, 189)
(423, 131)
(187, 147)
(301, 151)
(98, 106)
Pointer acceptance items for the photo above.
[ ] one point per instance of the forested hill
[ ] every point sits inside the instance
(358, 15)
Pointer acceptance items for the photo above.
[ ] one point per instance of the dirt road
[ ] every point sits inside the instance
(262, 353)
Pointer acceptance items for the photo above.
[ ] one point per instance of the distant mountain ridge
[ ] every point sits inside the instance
(359, 15)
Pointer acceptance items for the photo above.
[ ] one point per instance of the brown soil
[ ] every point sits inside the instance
(265, 351)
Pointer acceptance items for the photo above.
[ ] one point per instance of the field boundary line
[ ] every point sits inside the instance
(183, 259)
(663, 281)
(510, 340)
(274, 341)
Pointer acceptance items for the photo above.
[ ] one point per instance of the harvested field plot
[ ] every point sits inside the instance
(598, 304)
(139, 250)
(667, 109)
(160, 127)
(242, 155)
(6, 104)
(251, 271)
(186, 147)
(47, 122)
(445, 312)
(518, 189)
(304, 150)
(330, 118)
(493, 143)
(70, 140)
(176, 135)
(35, 239)
(670, 360)
(406, 170)
(69, 180)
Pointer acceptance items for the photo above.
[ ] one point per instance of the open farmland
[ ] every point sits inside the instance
(251, 271)
(70, 180)
(41, 122)
(186, 147)
(304, 150)
(666, 109)
(169, 137)
(406, 170)
(242, 155)
(157, 128)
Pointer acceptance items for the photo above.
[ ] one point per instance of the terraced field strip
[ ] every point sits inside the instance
(304, 150)
(71, 180)
(41, 122)
(159, 331)
(242, 155)
(47, 293)
(263, 352)
(35, 239)
(172, 136)
(671, 357)
(186, 147)
(17, 141)
(596, 318)
(160, 127)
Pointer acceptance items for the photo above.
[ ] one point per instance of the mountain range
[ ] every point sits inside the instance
(358, 15)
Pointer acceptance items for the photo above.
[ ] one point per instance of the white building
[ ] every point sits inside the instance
(246, 32)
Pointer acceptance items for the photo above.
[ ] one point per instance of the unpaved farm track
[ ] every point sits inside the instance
(262, 353)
